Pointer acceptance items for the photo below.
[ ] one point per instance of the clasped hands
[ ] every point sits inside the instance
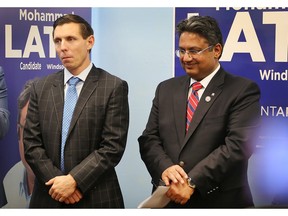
(176, 178)
(64, 189)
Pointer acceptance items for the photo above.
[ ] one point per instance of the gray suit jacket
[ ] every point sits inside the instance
(215, 150)
(95, 143)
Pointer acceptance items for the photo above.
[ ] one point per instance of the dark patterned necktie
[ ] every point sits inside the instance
(192, 103)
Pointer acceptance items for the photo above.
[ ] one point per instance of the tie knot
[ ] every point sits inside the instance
(73, 81)
(196, 86)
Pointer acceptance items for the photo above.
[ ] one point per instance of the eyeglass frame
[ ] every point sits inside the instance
(191, 52)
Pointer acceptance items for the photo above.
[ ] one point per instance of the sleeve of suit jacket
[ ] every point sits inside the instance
(4, 113)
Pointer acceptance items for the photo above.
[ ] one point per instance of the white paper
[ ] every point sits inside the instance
(157, 200)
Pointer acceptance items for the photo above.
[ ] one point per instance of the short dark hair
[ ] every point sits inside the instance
(86, 29)
(205, 26)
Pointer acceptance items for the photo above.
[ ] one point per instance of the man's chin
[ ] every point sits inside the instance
(190, 71)
(67, 65)
(193, 74)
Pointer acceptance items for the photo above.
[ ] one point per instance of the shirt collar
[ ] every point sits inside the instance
(207, 79)
(82, 76)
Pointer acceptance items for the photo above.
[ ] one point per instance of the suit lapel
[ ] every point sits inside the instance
(58, 96)
(88, 88)
(179, 106)
(210, 94)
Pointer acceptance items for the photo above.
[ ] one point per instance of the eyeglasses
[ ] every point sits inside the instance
(181, 52)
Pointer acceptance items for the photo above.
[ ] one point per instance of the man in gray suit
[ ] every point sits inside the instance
(97, 135)
(205, 165)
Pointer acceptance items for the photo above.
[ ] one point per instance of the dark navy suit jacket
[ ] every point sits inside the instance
(216, 149)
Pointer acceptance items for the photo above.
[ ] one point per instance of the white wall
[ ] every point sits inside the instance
(135, 44)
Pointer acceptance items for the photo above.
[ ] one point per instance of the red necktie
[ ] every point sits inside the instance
(192, 103)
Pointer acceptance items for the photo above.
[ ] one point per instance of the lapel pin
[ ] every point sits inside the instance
(208, 98)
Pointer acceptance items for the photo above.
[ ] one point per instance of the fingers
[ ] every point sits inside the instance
(63, 189)
(78, 194)
(50, 182)
(182, 173)
(67, 201)
(74, 198)
(184, 201)
(179, 193)
(175, 174)
(51, 193)
(61, 199)
(181, 201)
(70, 200)
(177, 198)
(166, 180)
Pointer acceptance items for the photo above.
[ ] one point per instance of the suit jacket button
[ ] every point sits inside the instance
(181, 163)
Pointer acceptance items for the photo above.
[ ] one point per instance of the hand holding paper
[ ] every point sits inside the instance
(157, 200)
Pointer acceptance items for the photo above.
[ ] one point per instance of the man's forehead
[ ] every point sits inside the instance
(67, 28)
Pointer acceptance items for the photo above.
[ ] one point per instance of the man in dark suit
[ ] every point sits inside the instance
(4, 113)
(207, 165)
(97, 134)
(4, 123)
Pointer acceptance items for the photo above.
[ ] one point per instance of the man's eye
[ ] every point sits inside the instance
(193, 51)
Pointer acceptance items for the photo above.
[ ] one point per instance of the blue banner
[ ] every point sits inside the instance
(26, 51)
(255, 46)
